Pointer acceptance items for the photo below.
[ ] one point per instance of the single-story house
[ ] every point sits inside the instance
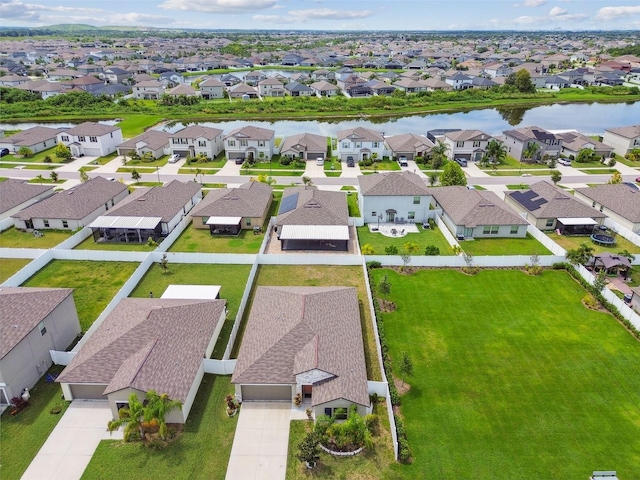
(548, 207)
(409, 145)
(393, 196)
(19, 194)
(307, 341)
(573, 142)
(304, 146)
(74, 208)
(154, 141)
(91, 139)
(296, 89)
(622, 139)
(477, 214)
(619, 202)
(227, 211)
(36, 139)
(33, 321)
(312, 219)
(324, 89)
(243, 90)
(148, 212)
(146, 344)
(196, 139)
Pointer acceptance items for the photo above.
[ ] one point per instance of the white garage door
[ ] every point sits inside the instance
(88, 392)
(271, 393)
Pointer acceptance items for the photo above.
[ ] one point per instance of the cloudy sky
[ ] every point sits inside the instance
(331, 15)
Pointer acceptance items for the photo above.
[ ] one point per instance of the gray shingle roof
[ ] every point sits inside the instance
(315, 207)
(250, 132)
(248, 200)
(467, 135)
(292, 330)
(92, 129)
(197, 131)
(148, 344)
(530, 133)
(392, 184)
(576, 141)
(360, 133)
(23, 309)
(155, 139)
(31, 136)
(621, 199)
(305, 142)
(14, 192)
(408, 142)
(632, 131)
(75, 203)
(471, 208)
(166, 201)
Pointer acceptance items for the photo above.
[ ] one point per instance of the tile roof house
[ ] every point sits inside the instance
(250, 142)
(409, 145)
(196, 139)
(622, 139)
(468, 144)
(305, 340)
(549, 208)
(312, 219)
(146, 344)
(148, 212)
(36, 138)
(360, 143)
(74, 208)
(154, 141)
(619, 202)
(517, 141)
(91, 139)
(18, 194)
(227, 211)
(305, 146)
(393, 197)
(477, 214)
(33, 321)
(573, 142)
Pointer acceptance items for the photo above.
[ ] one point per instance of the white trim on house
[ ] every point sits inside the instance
(314, 232)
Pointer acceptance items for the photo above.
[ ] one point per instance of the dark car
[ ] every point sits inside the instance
(631, 185)
(4, 151)
(351, 162)
(239, 161)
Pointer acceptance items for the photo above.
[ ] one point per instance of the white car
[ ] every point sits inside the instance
(174, 158)
(319, 161)
(564, 161)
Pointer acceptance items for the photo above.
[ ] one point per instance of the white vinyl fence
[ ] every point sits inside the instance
(173, 236)
(22, 252)
(217, 258)
(240, 314)
(308, 259)
(378, 388)
(29, 270)
(6, 224)
(445, 231)
(74, 240)
(451, 261)
(61, 358)
(219, 367)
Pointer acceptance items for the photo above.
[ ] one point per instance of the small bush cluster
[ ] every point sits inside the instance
(404, 452)
(347, 436)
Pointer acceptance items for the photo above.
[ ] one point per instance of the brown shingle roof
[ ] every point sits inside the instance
(408, 142)
(292, 330)
(31, 136)
(23, 309)
(467, 135)
(250, 132)
(393, 184)
(197, 131)
(305, 142)
(148, 344)
(75, 203)
(632, 131)
(15, 192)
(360, 133)
(314, 207)
(92, 129)
(155, 139)
(248, 200)
(621, 199)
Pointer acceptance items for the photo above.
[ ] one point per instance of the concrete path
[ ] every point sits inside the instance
(68, 450)
(261, 442)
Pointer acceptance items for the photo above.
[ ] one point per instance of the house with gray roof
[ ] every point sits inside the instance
(228, 211)
(250, 142)
(307, 341)
(18, 194)
(468, 144)
(36, 139)
(91, 139)
(305, 146)
(622, 139)
(146, 344)
(393, 197)
(196, 139)
(360, 143)
(297, 89)
(322, 88)
(477, 214)
(312, 219)
(551, 208)
(518, 140)
(409, 145)
(149, 90)
(33, 321)
(212, 88)
(147, 213)
(573, 142)
(74, 208)
(619, 202)
(242, 90)
(155, 142)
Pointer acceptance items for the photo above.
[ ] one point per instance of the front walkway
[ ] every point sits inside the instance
(261, 442)
(69, 448)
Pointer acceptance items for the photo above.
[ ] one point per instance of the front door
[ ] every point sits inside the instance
(391, 217)
(306, 392)
(468, 232)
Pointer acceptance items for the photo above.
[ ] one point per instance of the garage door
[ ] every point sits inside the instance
(272, 393)
(88, 392)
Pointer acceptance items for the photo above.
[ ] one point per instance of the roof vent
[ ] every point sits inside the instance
(142, 199)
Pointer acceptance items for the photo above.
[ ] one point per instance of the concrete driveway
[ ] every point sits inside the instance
(69, 448)
(261, 441)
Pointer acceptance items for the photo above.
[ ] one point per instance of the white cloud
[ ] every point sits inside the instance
(555, 11)
(527, 20)
(300, 16)
(531, 3)
(17, 10)
(610, 13)
(219, 6)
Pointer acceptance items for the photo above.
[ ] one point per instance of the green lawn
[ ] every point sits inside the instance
(22, 435)
(511, 163)
(599, 171)
(202, 452)
(232, 279)
(323, 275)
(135, 124)
(370, 464)
(520, 173)
(333, 162)
(90, 244)
(424, 238)
(352, 203)
(104, 160)
(35, 158)
(158, 162)
(10, 266)
(513, 377)
(95, 283)
(13, 238)
(45, 181)
(572, 242)
(504, 246)
(382, 165)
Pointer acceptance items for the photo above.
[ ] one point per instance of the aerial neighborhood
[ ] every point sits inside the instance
(214, 269)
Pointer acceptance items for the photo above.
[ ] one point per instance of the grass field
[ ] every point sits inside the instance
(572, 242)
(90, 244)
(13, 238)
(10, 266)
(320, 275)
(352, 204)
(513, 377)
(382, 165)
(504, 246)
(424, 238)
(232, 279)
(94, 283)
(202, 452)
(135, 124)
(22, 435)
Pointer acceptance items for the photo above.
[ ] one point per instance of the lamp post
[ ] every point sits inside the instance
(158, 172)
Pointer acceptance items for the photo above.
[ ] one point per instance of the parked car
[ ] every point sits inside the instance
(319, 161)
(564, 161)
(239, 161)
(351, 162)
(638, 179)
(461, 161)
(174, 158)
(403, 161)
(4, 151)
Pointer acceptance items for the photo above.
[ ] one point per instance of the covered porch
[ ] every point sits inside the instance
(575, 226)
(224, 225)
(126, 229)
(314, 237)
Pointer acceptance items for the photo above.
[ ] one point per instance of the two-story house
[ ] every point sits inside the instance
(148, 90)
(468, 144)
(196, 139)
(459, 81)
(271, 87)
(91, 139)
(250, 142)
(622, 139)
(212, 88)
(115, 75)
(360, 143)
(518, 140)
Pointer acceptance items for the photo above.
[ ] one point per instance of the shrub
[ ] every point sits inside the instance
(285, 161)
(367, 249)
(47, 159)
(374, 264)
(431, 250)
(372, 421)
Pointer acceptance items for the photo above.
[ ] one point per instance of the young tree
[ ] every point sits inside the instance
(556, 176)
(157, 408)
(453, 175)
(308, 450)
(40, 178)
(199, 172)
(433, 178)
(530, 151)
(580, 255)
(367, 249)
(307, 181)
(62, 151)
(600, 281)
(25, 152)
(135, 175)
(84, 176)
(405, 367)
(615, 179)
(54, 176)
(147, 157)
(385, 287)
(131, 418)
(164, 263)
(496, 151)
(391, 250)
(439, 153)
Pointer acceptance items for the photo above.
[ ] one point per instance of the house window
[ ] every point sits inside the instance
(64, 138)
(204, 220)
(93, 139)
(244, 143)
(514, 229)
(375, 144)
(232, 143)
(340, 413)
(81, 138)
(411, 215)
(374, 214)
(65, 224)
(327, 412)
(358, 145)
(476, 144)
(120, 405)
(490, 230)
(345, 144)
(202, 143)
(459, 144)
(549, 222)
(248, 222)
(112, 203)
(46, 223)
(261, 143)
(42, 328)
(106, 206)
(416, 200)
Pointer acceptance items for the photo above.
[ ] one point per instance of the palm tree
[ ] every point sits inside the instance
(131, 418)
(158, 406)
(307, 181)
(530, 151)
(439, 151)
(496, 151)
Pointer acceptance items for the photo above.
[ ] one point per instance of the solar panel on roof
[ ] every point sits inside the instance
(288, 203)
(528, 199)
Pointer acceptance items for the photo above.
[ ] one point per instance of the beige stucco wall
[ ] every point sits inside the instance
(340, 403)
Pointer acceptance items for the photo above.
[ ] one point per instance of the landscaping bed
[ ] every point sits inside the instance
(424, 238)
